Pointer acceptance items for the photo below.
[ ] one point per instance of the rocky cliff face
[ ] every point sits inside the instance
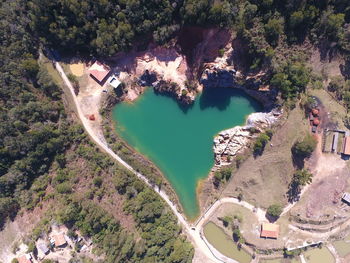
(230, 142)
(169, 88)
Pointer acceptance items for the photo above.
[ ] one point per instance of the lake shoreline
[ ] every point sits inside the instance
(204, 103)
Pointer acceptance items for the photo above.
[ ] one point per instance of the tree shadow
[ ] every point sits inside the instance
(271, 219)
(345, 69)
(328, 50)
(185, 107)
(220, 98)
(293, 193)
(298, 161)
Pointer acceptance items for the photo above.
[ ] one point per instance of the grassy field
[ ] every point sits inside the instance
(248, 220)
(343, 246)
(264, 180)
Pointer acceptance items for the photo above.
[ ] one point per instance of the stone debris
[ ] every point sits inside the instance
(230, 142)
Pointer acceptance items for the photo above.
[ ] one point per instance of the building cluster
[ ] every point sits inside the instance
(56, 242)
(338, 142)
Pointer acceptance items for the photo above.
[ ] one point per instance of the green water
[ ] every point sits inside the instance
(224, 244)
(179, 141)
(343, 246)
(317, 255)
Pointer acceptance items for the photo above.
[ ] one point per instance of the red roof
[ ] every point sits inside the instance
(24, 259)
(315, 112)
(346, 148)
(99, 71)
(269, 230)
(316, 122)
(59, 240)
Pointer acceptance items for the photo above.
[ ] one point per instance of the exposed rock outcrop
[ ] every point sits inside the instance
(230, 142)
(166, 87)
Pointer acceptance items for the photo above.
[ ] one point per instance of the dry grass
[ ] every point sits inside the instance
(77, 69)
(264, 180)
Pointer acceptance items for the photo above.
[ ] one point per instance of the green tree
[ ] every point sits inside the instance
(291, 79)
(302, 177)
(273, 29)
(274, 210)
(305, 147)
(237, 235)
(98, 181)
(260, 143)
(226, 220)
(330, 25)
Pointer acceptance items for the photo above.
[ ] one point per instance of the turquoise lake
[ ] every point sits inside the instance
(179, 141)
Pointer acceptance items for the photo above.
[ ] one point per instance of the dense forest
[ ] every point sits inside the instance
(106, 27)
(40, 147)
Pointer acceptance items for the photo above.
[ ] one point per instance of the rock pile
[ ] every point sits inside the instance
(230, 142)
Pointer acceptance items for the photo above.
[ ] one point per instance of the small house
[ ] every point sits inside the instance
(114, 81)
(346, 198)
(335, 141)
(315, 112)
(25, 259)
(346, 146)
(43, 248)
(99, 72)
(59, 240)
(316, 122)
(269, 230)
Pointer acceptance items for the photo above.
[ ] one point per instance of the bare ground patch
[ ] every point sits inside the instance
(322, 200)
(17, 230)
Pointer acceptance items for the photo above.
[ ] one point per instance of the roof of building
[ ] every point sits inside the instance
(59, 240)
(316, 121)
(43, 248)
(269, 230)
(99, 71)
(346, 148)
(24, 259)
(346, 197)
(315, 112)
(114, 81)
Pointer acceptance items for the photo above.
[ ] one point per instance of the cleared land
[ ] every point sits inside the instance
(77, 69)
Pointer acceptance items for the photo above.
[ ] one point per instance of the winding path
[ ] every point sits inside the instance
(193, 233)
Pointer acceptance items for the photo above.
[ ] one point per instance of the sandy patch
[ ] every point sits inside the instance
(77, 69)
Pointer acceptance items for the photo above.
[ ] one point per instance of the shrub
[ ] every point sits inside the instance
(226, 220)
(302, 177)
(304, 148)
(239, 160)
(260, 143)
(64, 188)
(274, 210)
(98, 181)
(237, 235)
(224, 174)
